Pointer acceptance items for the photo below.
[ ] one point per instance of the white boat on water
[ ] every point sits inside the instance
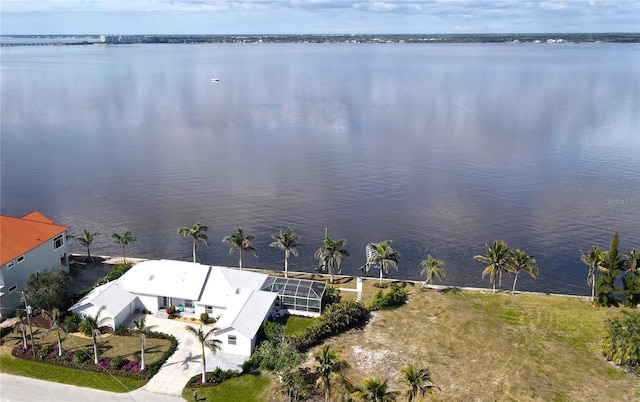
(215, 77)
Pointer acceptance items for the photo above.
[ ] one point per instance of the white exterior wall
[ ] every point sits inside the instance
(40, 258)
(122, 316)
(243, 347)
(149, 303)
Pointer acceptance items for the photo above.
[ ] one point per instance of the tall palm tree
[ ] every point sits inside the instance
(141, 329)
(286, 241)
(330, 255)
(433, 269)
(197, 233)
(384, 256)
(374, 389)
(497, 260)
(90, 326)
(520, 260)
(203, 339)
(631, 279)
(239, 242)
(123, 240)
(86, 239)
(56, 325)
(418, 381)
(594, 260)
(330, 362)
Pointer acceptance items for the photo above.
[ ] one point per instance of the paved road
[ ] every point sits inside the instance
(22, 389)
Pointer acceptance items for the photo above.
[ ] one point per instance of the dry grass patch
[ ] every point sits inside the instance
(481, 346)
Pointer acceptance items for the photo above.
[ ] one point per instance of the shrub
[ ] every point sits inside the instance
(331, 296)
(336, 319)
(81, 356)
(44, 352)
(204, 317)
(396, 296)
(72, 322)
(121, 330)
(171, 310)
(622, 342)
(117, 362)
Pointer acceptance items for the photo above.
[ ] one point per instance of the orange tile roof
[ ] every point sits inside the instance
(20, 235)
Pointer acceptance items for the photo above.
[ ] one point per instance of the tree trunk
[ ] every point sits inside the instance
(593, 289)
(514, 283)
(240, 259)
(142, 365)
(95, 350)
(194, 250)
(204, 366)
(59, 345)
(286, 263)
(494, 286)
(381, 276)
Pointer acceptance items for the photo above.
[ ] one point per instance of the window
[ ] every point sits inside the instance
(13, 288)
(20, 259)
(208, 309)
(232, 340)
(11, 264)
(58, 242)
(188, 303)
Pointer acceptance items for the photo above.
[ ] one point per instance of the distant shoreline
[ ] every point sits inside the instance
(542, 38)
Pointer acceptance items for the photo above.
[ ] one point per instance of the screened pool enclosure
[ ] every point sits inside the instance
(297, 296)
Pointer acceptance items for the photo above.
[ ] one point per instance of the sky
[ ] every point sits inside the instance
(316, 16)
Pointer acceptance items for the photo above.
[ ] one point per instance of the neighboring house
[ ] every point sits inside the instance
(28, 244)
(117, 304)
(238, 299)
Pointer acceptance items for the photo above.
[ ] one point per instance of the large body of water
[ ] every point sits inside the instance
(441, 148)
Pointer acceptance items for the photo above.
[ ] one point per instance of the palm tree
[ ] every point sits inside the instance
(203, 339)
(86, 240)
(419, 382)
(384, 256)
(631, 279)
(497, 259)
(286, 241)
(123, 240)
(330, 362)
(373, 389)
(90, 326)
(56, 325)
(594, 260)
(433, 269)
(21, 327)
(520, 260)
(197, 233)
(330, 255)
(239, 242)
(140, 328)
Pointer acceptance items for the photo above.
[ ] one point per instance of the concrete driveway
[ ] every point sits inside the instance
(187, 360)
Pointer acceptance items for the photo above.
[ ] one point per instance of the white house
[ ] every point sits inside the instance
(239, 300)
(27, 245)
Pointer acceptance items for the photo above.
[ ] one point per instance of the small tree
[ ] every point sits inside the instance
(418, 381)
(375, 390)
(330, 256)
(86, 239)
(50, 288)
(141, 329)
(631, 278)
(239, 242)
(286, 241)
(519, 260)
(56, 325)
(205, 339)
(123, 240)
(432, 268)
(497, 260)
(330, 363)
(384, 257)
(90, 326)
(621, 344)
(197, 233)
(612, 264)
(594, 260)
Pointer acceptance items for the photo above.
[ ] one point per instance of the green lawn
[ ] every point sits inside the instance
(247, 388)
(294, 324)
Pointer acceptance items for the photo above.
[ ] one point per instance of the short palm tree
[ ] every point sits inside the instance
(631, 279)
(286, 241)
(384, 257)
(205, 339)
(21, 327)
(56, 325)
(594, 260)
(197, 233)
(86, 239)
(240, 242)
(142, 330)
(90, 326)
(123, 240)
(520, 260)
(374, 389)
(330, 255)
(418, 381)
(330, 363)
(432, 268)
(497, 260)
